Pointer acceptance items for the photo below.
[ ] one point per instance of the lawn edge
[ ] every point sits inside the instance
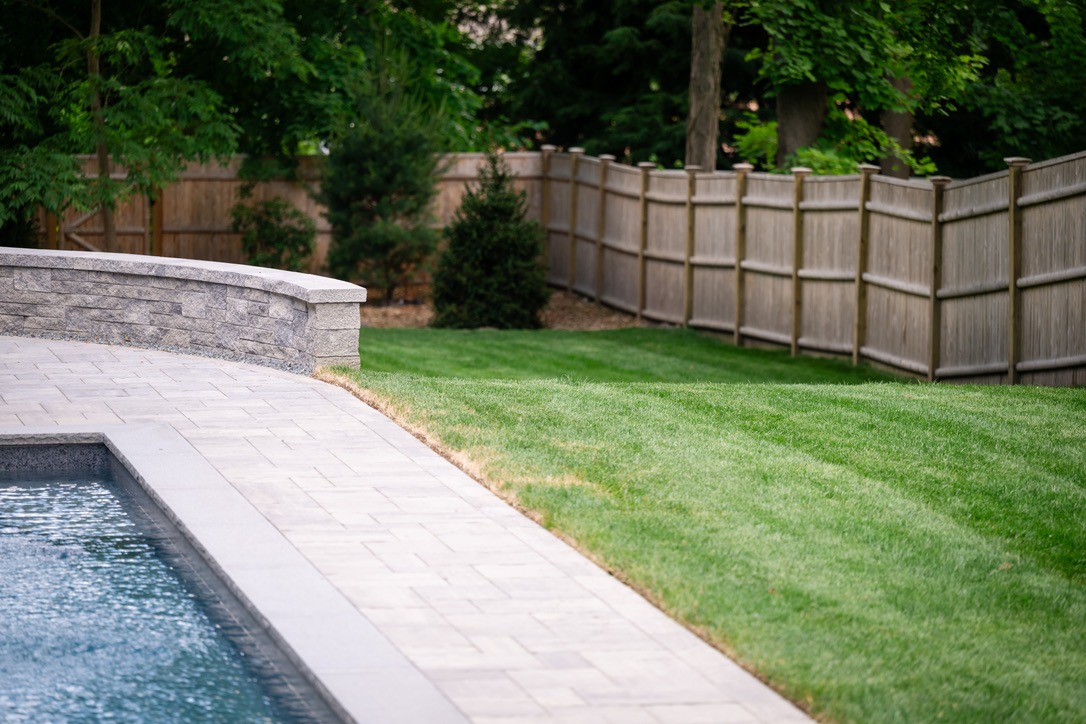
(473, 469)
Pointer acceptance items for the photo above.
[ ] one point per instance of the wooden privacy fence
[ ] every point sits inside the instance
(190, 218)
(982, 280)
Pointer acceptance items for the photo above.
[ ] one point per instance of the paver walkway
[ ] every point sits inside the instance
(510, 624)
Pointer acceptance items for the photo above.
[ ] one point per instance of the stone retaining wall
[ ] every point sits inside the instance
(267, 316)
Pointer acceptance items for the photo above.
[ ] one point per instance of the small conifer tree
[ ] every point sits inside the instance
(379, 182)
(490, 273)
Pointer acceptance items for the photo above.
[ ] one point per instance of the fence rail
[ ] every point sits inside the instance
(980, 280)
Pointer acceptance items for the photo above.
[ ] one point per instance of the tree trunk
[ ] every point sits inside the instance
(109, 228)
(898, 126)
(708, 37)
(801, 110)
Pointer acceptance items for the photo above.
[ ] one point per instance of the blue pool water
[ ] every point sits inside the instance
(101, 617)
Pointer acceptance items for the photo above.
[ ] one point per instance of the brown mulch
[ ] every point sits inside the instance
(570, 311)
(563, 311)
(397, 315)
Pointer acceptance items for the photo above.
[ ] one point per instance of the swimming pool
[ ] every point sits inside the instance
(106, 611)
(356, 670)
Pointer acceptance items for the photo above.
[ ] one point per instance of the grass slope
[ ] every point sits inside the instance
(878, 551)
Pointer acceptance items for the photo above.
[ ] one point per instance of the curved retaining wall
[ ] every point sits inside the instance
(277, 318)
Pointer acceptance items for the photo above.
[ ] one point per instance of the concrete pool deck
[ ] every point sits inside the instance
(471, 610)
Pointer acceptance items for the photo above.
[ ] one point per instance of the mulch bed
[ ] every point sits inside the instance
(563, 311)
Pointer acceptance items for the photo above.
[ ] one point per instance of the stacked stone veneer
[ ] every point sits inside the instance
(282, 319)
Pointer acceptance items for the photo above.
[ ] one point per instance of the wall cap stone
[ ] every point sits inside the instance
(287, 320)
(307, 287)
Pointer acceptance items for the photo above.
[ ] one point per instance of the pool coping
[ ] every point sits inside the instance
(353, 665)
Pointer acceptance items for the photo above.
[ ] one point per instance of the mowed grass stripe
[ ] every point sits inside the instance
(623, 355)
(880, 552)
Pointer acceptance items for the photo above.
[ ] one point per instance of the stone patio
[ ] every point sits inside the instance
(504, 621)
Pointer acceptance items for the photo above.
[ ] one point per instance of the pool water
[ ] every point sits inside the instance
(103, 617)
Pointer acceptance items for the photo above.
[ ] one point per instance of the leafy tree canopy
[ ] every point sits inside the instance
(380, 179)
(985, 78)
(179, 80)
(67, 85)
(1027, 99)
(609, 76)
(155, 84)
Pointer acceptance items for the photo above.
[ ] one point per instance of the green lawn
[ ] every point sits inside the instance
(624, 355)
(879, 551)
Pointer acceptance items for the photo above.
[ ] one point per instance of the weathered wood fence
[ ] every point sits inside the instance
(981, 280)
(190, 218)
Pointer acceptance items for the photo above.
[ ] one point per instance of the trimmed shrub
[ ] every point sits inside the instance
(274, 234)
(490, 273)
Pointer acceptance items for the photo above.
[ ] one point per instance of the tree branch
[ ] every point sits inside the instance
(54, 15)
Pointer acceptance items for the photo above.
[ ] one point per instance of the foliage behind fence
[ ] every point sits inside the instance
(980, 280)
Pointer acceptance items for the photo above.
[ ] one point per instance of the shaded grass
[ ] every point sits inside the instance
(622, 355)
(879, 552)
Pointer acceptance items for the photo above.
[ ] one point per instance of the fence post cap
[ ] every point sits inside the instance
(548, 148)
(646, 165)
(576, 150)
(1016, 161)
(940, 181)
(607, 157)
(743, 167)
(868, 168)
(800, 171)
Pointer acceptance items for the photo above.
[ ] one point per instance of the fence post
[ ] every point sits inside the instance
(688, 268)
(741, 170)
(148, 212)
(643, 240)
(935, 317)
(545, 202)
(859, 326)
(571, 262)
(158, 214)
(51, 239)
(601, 221)
(1014, 266)
(799, 173)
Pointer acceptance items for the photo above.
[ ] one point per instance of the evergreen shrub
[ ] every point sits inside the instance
(490, 273)
(378, 184)
(274, 233)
